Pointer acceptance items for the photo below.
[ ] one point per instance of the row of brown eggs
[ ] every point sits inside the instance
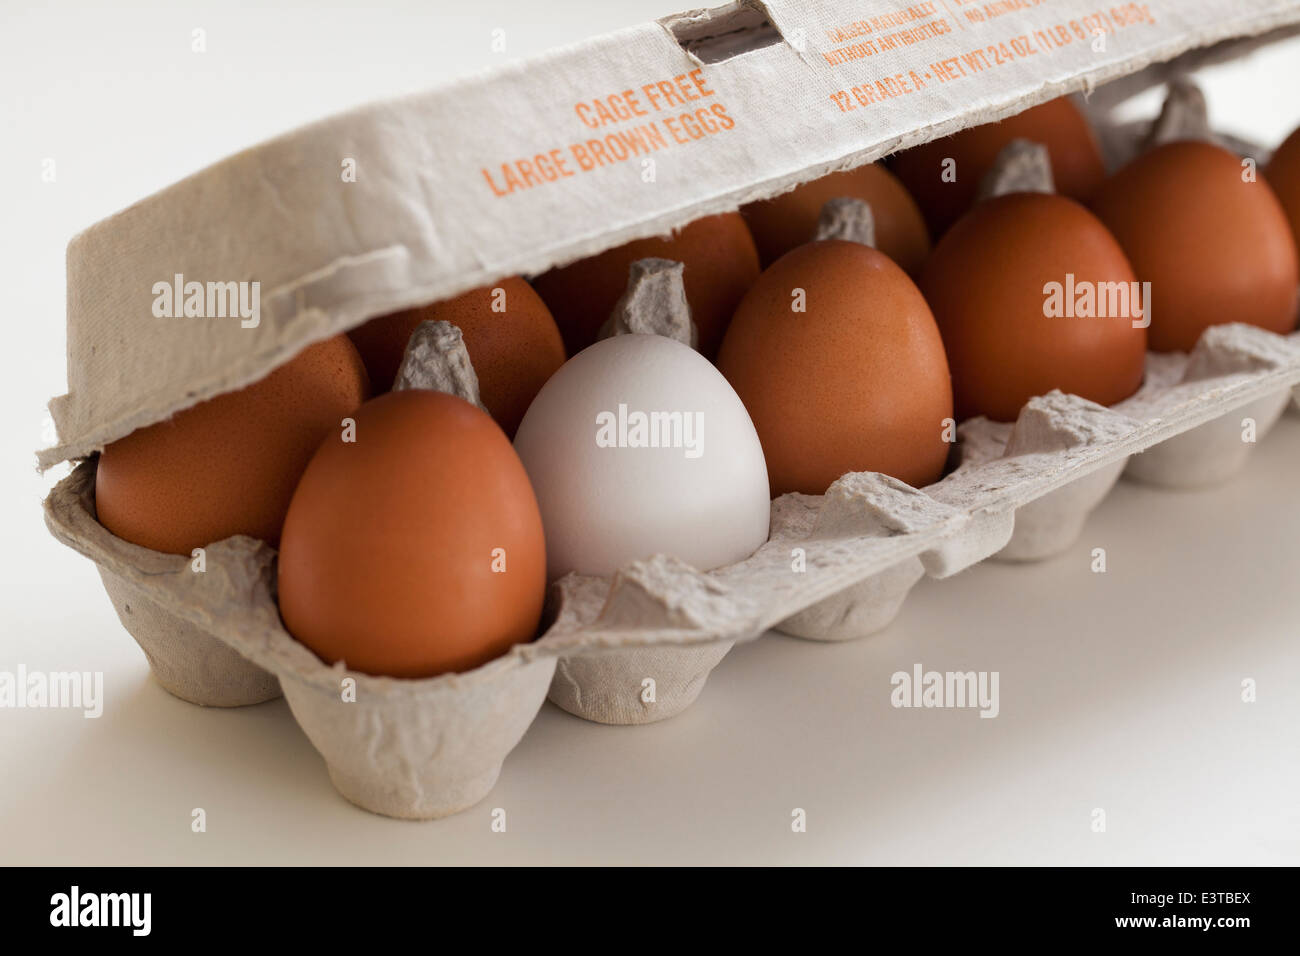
(896, 338)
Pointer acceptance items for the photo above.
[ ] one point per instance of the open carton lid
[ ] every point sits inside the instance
(549, 160)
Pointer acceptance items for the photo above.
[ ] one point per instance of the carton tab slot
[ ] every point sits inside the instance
(721, 33)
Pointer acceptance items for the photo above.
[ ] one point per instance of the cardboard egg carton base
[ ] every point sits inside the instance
(414, 749)
(416, 225)
(640, 647)
(1200, 401)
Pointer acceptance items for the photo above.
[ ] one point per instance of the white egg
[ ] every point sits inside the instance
(638, 446)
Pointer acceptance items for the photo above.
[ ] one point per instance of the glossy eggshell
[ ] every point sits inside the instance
(228, 465)
(721, 264)
(1215, 247)
(783, 222)
(513, 352)
(607, 503)
(388, 553)
(985, 283)
(858, 382)
(1077, 166)
(1283, 174)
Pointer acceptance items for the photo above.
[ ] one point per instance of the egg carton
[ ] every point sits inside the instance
(1027, 488)
(835, 566)
(396, 204)
(405, 748)
(416, 224)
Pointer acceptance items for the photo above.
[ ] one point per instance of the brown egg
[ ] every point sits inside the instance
(1015, 286)
(1214, 247)
(514, 351)
(228, 465)
(857, 382)
(783, 222)
(721, 264)
(1077, 167)
(1283, 174)
(417, 549)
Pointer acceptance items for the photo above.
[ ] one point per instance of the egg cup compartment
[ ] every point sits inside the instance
(993, 457)
(1204, 454)
(1025, 490)
(639, 647)
(662, 620)
(1209, 454)
(184, 654)
(635, 686)
(1048, 525)
(867, 505)
(1214, 451)
(865, 608)
(859, 611)
(417, 749)
(184, 657)
(405, 748)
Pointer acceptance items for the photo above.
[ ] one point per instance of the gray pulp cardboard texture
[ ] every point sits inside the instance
(427, 214)
(726, 115)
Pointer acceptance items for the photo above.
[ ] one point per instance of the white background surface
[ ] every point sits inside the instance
(1119, 691)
